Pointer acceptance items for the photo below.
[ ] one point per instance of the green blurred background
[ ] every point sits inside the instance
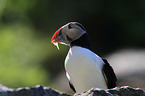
(27, 56)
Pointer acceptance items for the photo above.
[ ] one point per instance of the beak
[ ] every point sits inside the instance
(55, 35)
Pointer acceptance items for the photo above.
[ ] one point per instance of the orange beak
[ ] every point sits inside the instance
(53, 40)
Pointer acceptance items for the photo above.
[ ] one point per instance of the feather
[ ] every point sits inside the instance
(109, 75)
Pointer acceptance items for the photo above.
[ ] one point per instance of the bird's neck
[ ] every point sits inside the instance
(83, 41)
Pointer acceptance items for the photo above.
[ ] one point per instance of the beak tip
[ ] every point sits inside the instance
(52, 40)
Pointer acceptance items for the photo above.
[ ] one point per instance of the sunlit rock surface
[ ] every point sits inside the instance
(40, 90)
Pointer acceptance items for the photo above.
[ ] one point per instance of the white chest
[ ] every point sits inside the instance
(84, 69)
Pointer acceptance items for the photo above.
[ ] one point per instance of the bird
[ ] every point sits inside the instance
(84, 69)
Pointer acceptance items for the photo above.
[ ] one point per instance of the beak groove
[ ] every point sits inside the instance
(53, 40)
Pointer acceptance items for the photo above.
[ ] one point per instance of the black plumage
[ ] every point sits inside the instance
(109, 75)
(72, 87)
(83, 41)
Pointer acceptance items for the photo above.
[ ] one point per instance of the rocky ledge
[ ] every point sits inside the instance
(40, 90)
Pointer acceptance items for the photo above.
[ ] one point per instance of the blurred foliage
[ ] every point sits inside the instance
(20, 54)
(26, 55)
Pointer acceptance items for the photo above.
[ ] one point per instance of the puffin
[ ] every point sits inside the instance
(84, 69)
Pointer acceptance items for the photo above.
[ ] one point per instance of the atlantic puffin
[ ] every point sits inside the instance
(84, 68)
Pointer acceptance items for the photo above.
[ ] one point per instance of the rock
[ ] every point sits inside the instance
(37, 90)
(40, 90)
(4, 90)
(118, 91)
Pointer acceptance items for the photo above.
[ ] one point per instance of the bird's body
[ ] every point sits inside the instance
(84, 69)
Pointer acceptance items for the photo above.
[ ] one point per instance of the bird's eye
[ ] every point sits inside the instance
(69, 26)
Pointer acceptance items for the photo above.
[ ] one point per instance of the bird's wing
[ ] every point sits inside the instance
(70, 84)
(109, 75)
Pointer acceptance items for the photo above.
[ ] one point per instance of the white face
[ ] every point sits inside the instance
(68, 33)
